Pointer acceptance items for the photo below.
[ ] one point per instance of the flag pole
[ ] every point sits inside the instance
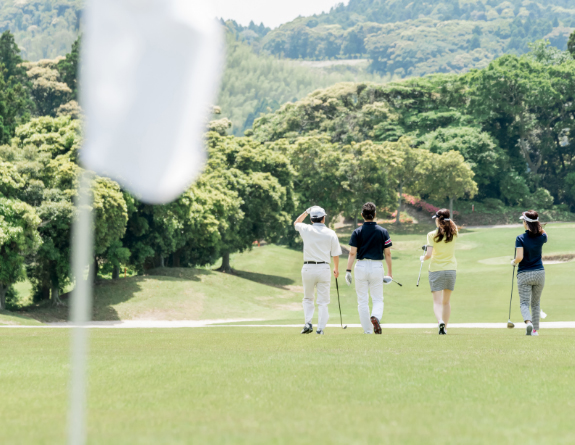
(80, 311)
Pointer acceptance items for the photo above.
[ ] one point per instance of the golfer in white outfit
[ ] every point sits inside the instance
(370, 243)
(319, 245)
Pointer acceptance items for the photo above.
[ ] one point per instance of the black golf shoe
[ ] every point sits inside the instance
(442, 330)
(320, 332)
(376, 325)
(307, 329)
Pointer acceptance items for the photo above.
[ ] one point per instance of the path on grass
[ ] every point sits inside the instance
(139, 324)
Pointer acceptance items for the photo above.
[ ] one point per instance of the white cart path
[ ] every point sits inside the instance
(145, 324)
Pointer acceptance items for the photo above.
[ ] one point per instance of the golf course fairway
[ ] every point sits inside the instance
(247, 385)
(271, 385)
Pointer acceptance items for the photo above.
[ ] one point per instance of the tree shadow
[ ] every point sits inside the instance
(14, 314)
(268, 280)
(107, 294)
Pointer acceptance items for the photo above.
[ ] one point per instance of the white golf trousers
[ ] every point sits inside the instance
(316, 276)
(369, 280)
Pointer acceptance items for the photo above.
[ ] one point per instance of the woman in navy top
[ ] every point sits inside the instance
(531, 274)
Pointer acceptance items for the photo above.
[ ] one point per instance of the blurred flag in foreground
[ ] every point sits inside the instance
(151, 70)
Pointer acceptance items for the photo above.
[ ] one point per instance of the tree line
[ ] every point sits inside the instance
(513, 122)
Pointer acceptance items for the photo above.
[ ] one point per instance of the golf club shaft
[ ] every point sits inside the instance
(421, 267)
(512, 282)
(338, 303)
(397, 282)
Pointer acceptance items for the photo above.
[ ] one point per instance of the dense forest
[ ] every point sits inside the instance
(44, 29)
(413, 38)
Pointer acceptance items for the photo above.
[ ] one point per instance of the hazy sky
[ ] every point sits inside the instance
(271, 12)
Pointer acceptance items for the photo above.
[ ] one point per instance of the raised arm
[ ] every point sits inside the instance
(301, 218)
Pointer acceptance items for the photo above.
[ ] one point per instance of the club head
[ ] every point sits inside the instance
(345, 327)
(510, 325)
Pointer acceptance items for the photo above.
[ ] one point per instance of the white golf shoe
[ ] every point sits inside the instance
(535, 333)
(529, 329)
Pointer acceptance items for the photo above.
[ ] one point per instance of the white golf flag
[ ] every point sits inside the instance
(151, 69)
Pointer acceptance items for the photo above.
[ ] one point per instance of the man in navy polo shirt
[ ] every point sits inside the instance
(370, 243)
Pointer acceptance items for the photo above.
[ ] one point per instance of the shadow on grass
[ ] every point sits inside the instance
(106, 294)
(16, 314)
(268, 280)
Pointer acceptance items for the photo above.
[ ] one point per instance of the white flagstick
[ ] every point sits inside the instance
(80, 311)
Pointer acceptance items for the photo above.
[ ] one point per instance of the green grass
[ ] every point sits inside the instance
(268, 285)
(228, 385)
(272, 385)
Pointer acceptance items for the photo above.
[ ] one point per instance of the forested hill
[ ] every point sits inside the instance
(417, 37)
(44, 29)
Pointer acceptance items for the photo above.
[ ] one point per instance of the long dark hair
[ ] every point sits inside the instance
(535, 228)
(447, 229)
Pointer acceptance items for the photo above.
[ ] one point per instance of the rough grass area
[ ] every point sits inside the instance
(272, 385)
(267, 285)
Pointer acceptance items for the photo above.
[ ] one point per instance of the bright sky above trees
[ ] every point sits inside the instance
(271, 12)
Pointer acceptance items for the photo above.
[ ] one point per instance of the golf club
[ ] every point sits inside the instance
(421, 267)
(510, 324)
(390, 280)
(339, 304)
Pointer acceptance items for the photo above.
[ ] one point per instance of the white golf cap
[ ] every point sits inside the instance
(526, 218)
(317, 212)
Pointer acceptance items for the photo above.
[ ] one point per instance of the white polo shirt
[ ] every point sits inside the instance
(319, 242)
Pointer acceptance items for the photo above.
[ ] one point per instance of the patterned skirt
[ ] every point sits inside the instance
(442, 279)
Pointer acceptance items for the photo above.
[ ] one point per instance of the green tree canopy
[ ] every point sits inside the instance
(448, 176)
(18, 239)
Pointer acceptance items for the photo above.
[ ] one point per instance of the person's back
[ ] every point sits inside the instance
(440, 248)
(319, 242)
(370, 243)
(443, 254)
(531, 273)
(532, 251)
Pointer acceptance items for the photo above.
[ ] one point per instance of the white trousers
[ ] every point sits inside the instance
(316, 276)
(369, 280)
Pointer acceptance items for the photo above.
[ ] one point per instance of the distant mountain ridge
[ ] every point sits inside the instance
(418, 37)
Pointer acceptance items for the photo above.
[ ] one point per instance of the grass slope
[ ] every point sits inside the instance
(268, 285)
(272, 385)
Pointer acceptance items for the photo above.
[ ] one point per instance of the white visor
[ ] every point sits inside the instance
(526, 218)
(444, 219)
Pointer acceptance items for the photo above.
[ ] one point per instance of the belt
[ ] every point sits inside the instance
(314, 262)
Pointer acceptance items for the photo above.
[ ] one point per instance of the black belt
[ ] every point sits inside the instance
(314, 262)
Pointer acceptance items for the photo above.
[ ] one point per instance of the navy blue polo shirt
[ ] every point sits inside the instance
(532, 251)
(370, 240)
